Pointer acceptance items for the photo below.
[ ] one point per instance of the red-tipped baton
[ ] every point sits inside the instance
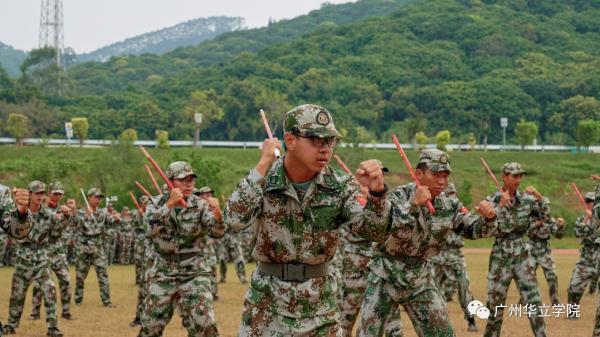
(153, 180)
(342, 165)
(580, 196)
(161, 173)
(491, 174)
(135, 202)
(410, 169)
(269, 133)
(143, 189)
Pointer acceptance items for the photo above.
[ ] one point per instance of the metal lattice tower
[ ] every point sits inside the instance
(51, 28)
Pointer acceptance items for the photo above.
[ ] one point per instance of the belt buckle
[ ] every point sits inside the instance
(294, 272)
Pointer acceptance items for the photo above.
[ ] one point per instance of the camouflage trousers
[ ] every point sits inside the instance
(596, 332)
(3, 247)
(85, 260)
(142, 285)
(110, 247)
(230, 249)
(511, 259)
(541, 255)
(425, 307)
(585, 271)
(125, 251)
(166, 290)
(58, 264)
(354, 284)
(140, 248)
(26, 272)
(276, 308)
(451, 273)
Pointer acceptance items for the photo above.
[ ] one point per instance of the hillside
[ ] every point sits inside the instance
(11, 59)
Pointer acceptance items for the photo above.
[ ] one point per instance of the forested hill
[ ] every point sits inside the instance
(427, 66)
(189, 33)
(11, 58)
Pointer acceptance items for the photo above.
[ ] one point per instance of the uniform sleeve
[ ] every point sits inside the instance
(158, 214)
(557, 231)
(9, 215)
(245, 204)
(473, 226)
(216, 227)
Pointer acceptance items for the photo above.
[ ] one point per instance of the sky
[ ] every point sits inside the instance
(91, 24)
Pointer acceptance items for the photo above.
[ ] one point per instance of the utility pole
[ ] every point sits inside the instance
(52, 34)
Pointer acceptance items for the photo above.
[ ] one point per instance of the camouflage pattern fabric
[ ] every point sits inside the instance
(57, 254)
(33, 265)
(450, 271)
(539, 234)
(213, 260)
(596, 222)
(292, 231)
(3, 247)
(511, 259)
(586, 267)
(246, 238)
(230, 249)
(110, 239)
(400, 272)
(180, 283)
(125, 239)
(142, 257)
(90, 252)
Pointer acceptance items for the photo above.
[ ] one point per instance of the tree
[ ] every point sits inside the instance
(18, 127)
(421, 139)
(526, 132)
(442, 139)
(204, 102)
(80, 128)
(162, 139)
(587, 132)
(128, 137)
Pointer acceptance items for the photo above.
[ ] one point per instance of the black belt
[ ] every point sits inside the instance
(410, 261)
(294, 271)
(179, 257)
(512, 236)
(32, 246)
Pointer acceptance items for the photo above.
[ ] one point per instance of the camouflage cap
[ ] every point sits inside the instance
(36, 186)
(590, 196)
(205, 189)
(513, 168)
(125, 208)
(144, 199)
(450, 189)
(310, 120)
(96, 192)
(56, 187)
(180, 170)
(436, 160)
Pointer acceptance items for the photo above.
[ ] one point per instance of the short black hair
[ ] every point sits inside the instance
(422, 167)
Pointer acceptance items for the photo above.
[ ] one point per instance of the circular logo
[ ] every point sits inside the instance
(443, 159)
(322, 118)
(187, 167)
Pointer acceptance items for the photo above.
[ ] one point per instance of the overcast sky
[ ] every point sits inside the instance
(91, 24)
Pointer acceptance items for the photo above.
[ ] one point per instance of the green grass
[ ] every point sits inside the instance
(115, 169)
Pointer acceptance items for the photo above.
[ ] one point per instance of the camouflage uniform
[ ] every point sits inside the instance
(213, 261)
(586, 267)
(292, 292)
(33, 263)
(596, 221)
(110, 238)
(142, 256)
(511, 258)
(179, 274)
(125, 239)
(57, 255)
(3, 247)
(229, 249)
(451, 272)
(357, 253)
(246, 237)
(539, 234)
(400, 272)
(90, 249)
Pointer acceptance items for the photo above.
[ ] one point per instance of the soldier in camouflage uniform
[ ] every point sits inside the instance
(298, 204)
(596, 220)
(32, 260)
(125, 237)
(142, 254)
(400, 272)
(586, 267)
(210, 251)
(179, 274)
(511, 255)
(539, 234)
(91, 225)
(228, 248)
(110, 235)
(56, 252)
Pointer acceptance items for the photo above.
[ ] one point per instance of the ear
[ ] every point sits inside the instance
(290, 141)
(420, 173)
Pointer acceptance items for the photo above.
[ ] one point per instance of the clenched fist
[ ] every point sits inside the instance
(174, 197)
(21, 196)
(422, 195)
(369, 174)
(531, 190)
(486, 209)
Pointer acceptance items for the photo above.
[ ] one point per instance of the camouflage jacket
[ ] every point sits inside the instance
(125, 226)
(518, 218)
(453, 241)
(543, 230)
(586, 231)
(289, 230)
(141, 229)
(179, 231)
(11, 221)
(91, 231)
(34, 245)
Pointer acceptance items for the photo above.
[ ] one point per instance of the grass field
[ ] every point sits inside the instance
(93, 320)
(115, 169)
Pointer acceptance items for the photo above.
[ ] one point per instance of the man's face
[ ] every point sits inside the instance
(435, 181)
(35, 199)
(94, 200)
(55, 197)
(512, 181)
(125, 213)
(312, 153)
(589, 204)
(186, 185)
